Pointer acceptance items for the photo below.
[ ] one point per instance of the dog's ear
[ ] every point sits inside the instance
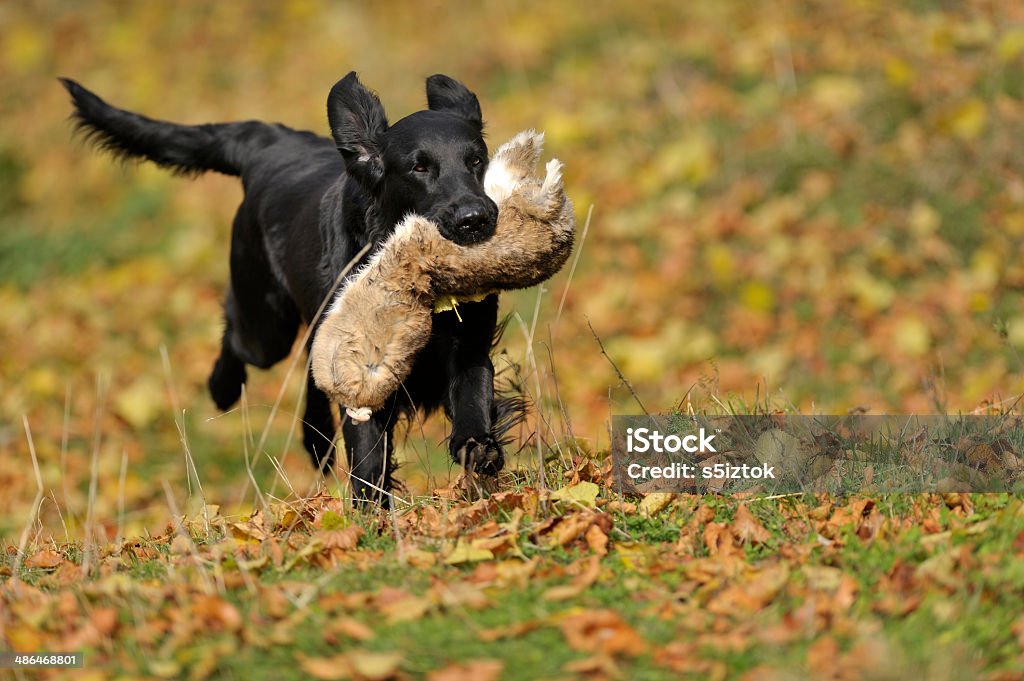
(448, 94)
(357, 123)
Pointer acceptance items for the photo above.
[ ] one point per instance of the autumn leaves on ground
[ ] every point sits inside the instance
(527, 584)
(805, 206)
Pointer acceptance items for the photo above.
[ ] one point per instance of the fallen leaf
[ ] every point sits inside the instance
(719, 540)
(584, 493)
(465, 552)
(579, 584)
(326, 668)
(401, 606)
(46, 559)
(654, 503)
(471, 670)
(749, 529)
(601, 631)
(215, 611)
(350, 628)
(343, 539)
(369, 665)
(597, 540)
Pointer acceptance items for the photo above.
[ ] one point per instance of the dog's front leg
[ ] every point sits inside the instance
(369, 446)
(470, 399)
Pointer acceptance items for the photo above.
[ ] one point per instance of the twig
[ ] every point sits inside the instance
(618, 372)
(575, 261)
(36, 504)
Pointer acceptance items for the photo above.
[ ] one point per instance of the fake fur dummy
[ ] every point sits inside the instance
(368, 340)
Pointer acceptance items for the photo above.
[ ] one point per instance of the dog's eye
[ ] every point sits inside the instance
(419, 168)
(475, 161)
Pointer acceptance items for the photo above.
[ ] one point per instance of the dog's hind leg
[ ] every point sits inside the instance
(228, 375)
(318, 429)
(260, 319)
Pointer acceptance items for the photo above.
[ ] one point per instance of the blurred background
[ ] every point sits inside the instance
(810, 205)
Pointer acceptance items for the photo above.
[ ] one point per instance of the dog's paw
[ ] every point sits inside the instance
(483, 455)
(225, 382)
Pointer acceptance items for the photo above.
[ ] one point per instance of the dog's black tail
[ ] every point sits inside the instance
(184, 149)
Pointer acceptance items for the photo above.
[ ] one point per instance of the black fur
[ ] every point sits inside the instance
(307, 211)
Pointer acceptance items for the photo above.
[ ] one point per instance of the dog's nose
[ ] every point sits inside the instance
(470, 219)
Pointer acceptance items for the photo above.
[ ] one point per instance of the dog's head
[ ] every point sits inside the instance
(431, 163)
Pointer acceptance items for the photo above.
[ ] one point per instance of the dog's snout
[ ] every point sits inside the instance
(469, 222)
(471, 219)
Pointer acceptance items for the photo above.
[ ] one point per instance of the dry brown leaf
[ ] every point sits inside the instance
(471, 670)
(46, 559)
(719, 540)
(747, 528)
(597, 540)
(217, 612)
(350, 628)
(601, 631)
(345, 539)
(580, 583)
(823, 658)
(509, 631)
(515, 573)
(401, 606)
(459, 595)
(680, 656)
(567, 529)
(598, 666)
(104, 620)
(752, 594)
(331, 668)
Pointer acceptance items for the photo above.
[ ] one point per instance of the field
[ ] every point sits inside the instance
(795, 207)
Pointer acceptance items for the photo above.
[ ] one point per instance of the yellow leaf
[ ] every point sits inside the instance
(1015, 331)
(140, 403)
(899, 72)
(25, 46)
(838, 94)
(923, 219)
(370, 665)
(466, 552)
(313, 547)
(757, 296)
(690, 159)
(584, 493)
(968, 120)
(913, 336)
(1011, 44)
(655, 503)
(24, 640)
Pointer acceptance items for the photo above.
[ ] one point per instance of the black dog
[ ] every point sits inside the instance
(307, 212)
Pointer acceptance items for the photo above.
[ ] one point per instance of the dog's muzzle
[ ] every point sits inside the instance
(469, 223)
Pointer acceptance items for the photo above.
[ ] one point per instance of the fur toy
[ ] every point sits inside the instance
(368, 339)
